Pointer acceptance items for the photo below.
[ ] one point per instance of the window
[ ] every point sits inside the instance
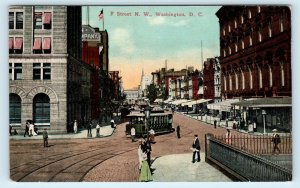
(229, 28)
(223, 32)
(260, 77)
(42, 20)
(230, 82)
(15, 20)
(41, 71)
(11, 20)
(249, 14)
(236, 81)
(229, 50)
(42, 45)
(14, 109)
(19, 22)
(224, 53)
(270, 76)
(243, 80)
(236, 47)
(242, 19)
(270, 29)
(235, 23)
(251, 79)
(41, 109)
(15, 45)
(281, 23)
(15, 71)
(258, 9)
(242, 43)
(250, 40)
(282, 74)
(259, 35)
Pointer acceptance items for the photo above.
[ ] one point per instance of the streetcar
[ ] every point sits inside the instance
(160, 121)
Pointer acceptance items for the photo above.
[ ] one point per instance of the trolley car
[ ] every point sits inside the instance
(160, 121)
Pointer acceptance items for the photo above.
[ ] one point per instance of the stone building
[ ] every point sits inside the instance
(48, 82)
(208, 79)
(255, 51)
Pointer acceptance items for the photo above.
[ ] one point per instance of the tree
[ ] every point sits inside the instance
(152, 93)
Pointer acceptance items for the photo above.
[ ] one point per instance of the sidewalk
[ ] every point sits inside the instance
(104, 132)
(179, 168)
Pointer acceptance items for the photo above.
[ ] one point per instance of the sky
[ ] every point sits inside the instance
(148, 40)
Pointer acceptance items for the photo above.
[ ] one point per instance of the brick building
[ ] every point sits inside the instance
(45, 67)
(208, 79)
(255, 51)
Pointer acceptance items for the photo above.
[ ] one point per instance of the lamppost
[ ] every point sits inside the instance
(263, 112)
(147, 116)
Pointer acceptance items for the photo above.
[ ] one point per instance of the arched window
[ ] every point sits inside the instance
(251, 79)
(41, 109)
(14, 109)
(270, 29)
(230, 82)
(243, 80)
(225, 83)
(249, 14)
(236, 81)
(236, 47)
(282, 74)
(242, 44)
(229, 50)
(260, 77)
(281, 23)
(270, 76)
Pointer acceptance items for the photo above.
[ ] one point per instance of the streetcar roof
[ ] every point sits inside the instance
(138, 114)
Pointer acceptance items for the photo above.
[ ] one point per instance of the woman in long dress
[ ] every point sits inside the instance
(145, 174)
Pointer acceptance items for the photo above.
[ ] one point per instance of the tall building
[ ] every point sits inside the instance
(48, 82)
(255, 51)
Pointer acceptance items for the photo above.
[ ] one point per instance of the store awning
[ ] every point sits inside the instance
(18, 43)
(47, 18)
(168, 100)
(194, 102)
(266, 102)
(11, 43)
(158, 100)
(37, 44)
(179, 101)
(47, 43)
(222, 106)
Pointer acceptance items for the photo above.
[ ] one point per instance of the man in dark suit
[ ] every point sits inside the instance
(196, 149)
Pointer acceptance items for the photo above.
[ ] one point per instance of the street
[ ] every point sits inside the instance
(108, 159)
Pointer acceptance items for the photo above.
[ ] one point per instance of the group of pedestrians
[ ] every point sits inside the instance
(30, 129)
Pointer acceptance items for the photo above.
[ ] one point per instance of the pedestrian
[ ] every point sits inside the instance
(145, 174)
(98, 130)
(140, 153)
(26, 129)
(132, 133)
(45, 137)
(31, 129)
(234, 124)
(148, 152)
(112, 123)
(10, 130)
(215, 123)
(89, 129)
(152, 136)
(228, 137)
(178, 131)
(75, 126)
(196, 149)
(254, 127)
(276, 140)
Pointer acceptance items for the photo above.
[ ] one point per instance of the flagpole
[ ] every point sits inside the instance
(103, 20)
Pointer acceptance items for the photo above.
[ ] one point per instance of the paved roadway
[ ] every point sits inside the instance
(113, 158)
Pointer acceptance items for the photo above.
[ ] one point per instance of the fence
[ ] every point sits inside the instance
(259, 145)
(243, 165)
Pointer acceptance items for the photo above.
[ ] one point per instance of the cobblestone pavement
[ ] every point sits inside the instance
(107, 159)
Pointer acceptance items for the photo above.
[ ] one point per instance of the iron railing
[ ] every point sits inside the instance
(244, 165)
(259, 144)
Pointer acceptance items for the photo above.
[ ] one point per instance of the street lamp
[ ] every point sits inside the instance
(263, 112)
(147, 116)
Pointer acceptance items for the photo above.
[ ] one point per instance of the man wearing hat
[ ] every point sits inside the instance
(196, 149)
(275, 140)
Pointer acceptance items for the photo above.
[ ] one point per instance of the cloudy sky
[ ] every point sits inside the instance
(145, 42)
